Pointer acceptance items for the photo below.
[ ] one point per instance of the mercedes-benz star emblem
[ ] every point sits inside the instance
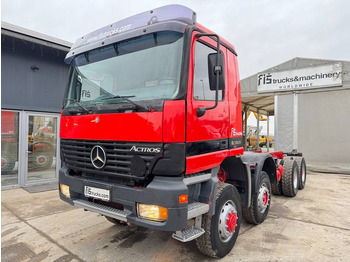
(98, 157)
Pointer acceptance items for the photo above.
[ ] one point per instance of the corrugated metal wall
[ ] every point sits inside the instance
(322, 130)
(26, 89)
(284, 123)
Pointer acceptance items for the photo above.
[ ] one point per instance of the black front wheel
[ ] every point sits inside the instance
(221, 229)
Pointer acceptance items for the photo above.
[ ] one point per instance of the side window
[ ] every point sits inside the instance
(201, 90)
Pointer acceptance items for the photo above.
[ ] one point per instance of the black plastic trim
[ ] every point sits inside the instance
(208, 146)
(235, 142)
(120, 158)
(186, 53)
(221, 43)
(122, 107)
(174, 160)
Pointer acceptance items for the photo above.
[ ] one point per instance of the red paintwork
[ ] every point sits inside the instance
(279, 171)
(236, 151)
(222, 122)
(221, 175)
(177, 123)
(215, 123)
(140, 127)
(174, 121)
(231, 222)
(210, 160)
(277, 154)
(205, 161)
(223, 40)
(265, 199)
(235, 128)
(8, 126)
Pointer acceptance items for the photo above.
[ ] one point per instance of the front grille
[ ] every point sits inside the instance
(76, 155)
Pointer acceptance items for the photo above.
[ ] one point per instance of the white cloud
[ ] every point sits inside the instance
(264, 32)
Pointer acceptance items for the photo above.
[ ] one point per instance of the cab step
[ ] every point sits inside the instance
(195, 210)
(103, 210)
(188, 234)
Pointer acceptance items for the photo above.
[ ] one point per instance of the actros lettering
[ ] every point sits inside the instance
(145, 149)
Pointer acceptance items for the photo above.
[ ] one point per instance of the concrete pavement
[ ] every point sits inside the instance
(314, 226)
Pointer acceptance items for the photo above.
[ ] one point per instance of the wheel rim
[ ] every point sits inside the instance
(303, 174)
(41, 160)
(4, 162)
(295, 178)
(227, 221)
(263, 198)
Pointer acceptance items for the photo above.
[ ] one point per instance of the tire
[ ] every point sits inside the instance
(42, 160)
(7, 165)
(301, 172)
(116, 221)
(260, 201)
(218, 241)
(276, 189)
(290, 177)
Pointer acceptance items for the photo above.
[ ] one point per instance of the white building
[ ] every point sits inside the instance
(310, 99)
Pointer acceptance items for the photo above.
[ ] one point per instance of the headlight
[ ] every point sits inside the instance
(152, 212)
(65, 190)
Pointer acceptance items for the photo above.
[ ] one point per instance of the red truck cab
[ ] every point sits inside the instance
(150, 126)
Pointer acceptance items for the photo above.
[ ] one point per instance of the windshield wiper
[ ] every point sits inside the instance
(128, 100)
(79, 104)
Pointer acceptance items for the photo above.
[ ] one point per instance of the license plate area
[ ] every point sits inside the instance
(97, 193)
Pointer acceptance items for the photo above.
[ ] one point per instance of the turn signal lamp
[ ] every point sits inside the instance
(65, 190)
(152, 212)
(183, 199)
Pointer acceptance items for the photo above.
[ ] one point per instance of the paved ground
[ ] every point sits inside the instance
(314, 226)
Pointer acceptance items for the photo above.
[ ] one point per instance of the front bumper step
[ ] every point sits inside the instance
(195, 210)
(188, 234)
(103, 210)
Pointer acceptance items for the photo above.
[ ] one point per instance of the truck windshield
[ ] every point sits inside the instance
(142, 68)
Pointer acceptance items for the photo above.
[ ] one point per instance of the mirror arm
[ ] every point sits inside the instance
(201, 111)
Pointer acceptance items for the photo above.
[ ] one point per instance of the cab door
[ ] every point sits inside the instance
(206, 136)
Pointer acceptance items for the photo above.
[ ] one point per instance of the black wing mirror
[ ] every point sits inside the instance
(215, 67)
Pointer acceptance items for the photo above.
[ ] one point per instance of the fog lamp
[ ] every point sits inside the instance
(152, 212)
(65, 190)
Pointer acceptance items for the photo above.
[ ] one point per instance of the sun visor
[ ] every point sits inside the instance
(170, 17)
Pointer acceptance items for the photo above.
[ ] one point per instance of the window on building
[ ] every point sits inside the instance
(201, 90)
(9, 147)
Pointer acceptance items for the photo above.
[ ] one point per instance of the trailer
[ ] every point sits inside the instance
(151, 132)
